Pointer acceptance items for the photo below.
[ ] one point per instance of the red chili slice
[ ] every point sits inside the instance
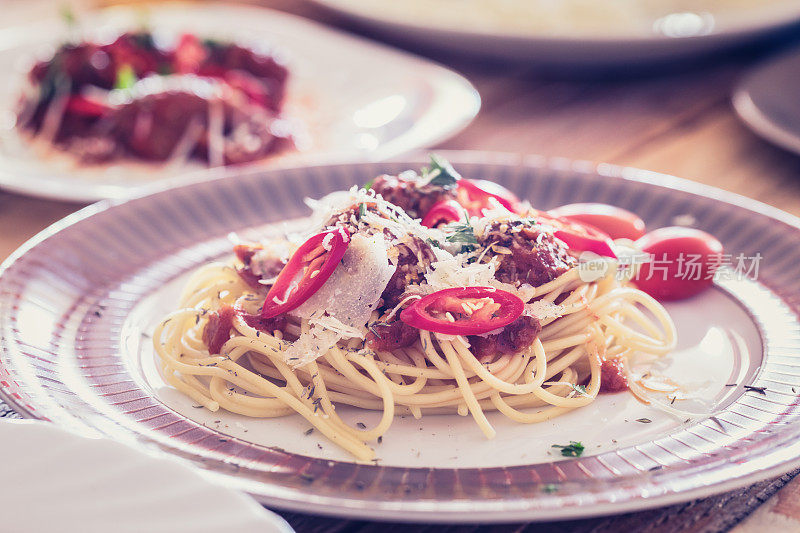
(474, 196)
(442, 213)
(308, 269)
(80, 105)
(579, 237)
(474, 310)
(614, 221)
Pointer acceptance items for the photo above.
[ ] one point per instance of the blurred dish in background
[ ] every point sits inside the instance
(350, 95)
(572, 31)
(767, 100)
(166, 102)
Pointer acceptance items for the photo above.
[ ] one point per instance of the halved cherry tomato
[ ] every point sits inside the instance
(683, 262)
(578, 236)
(474, 196)
(616, 222)
(80, 105)
(442, 213)
(308, 269)
(464, 311)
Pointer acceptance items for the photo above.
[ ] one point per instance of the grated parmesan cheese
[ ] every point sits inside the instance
(544, 310)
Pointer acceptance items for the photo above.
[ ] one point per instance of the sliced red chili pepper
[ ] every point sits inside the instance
(579, 237)
(474, 196)
(80, 105)
(464, 311)
(308, 269)
(442, 213)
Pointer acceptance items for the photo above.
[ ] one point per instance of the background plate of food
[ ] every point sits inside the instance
(97, 105)
(554, 387)
(571, 32)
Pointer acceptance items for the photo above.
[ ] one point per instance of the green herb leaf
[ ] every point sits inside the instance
(549, 488)
(573, 449)
(440, 173)
(362, 209)
(462, 232)
(580, 389)
(368, 185)
(126, 77)
(433, 242)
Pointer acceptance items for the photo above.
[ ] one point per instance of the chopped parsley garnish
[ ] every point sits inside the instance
(573, 449)
(580, 389)
(362, 209)
(550, 488)
(368, 185)
(433, 242)
(463, 233)
(440, 173)
(126, 77)
(760, 390)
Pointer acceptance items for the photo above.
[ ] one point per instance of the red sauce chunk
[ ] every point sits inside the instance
(411, 193)
(514, 338)
(612, 376)
(391, 336)
(266, 325)
(218, 328)
(252, 273)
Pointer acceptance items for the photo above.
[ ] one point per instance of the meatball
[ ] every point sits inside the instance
(391, 336)
(514, 338)
(525, 254)
(410, 193)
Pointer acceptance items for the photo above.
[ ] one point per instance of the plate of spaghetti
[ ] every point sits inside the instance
(474, 337)
(103, 102)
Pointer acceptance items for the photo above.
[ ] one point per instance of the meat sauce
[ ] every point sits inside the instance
(169, 122)
(612, 376)
(525, 255)
(217, 330)
(253, 273)
(411, 194)
(514, 338)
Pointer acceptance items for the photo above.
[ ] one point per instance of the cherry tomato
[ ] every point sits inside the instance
(86, 107)
(683, 262)
(464, 311)
(307, 270)
(578, 236)
(474, 196)
(442, 213)
(616, 222)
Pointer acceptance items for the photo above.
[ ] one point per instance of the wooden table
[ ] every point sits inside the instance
(678, 123)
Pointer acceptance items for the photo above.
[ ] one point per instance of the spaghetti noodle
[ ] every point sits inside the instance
(550, 360)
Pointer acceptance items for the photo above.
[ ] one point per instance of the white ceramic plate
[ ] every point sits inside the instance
(56, 480)
(78, 304)
(353, 96)
(766, 100)
(587, 34)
